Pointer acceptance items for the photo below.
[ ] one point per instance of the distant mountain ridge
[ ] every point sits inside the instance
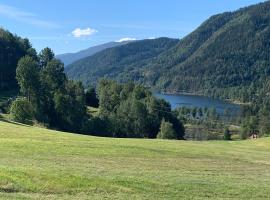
(69, 58)
(227, 56)
(112, 62)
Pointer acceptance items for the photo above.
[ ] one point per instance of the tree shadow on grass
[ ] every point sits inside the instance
(12, 122)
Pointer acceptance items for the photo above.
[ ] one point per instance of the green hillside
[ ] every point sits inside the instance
(227, 56)
(69, 58)
(122, 62)
(38, 163)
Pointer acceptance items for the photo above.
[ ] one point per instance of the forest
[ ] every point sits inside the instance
(43, 94)
(226, 57)
(47, 97)
(109, 103)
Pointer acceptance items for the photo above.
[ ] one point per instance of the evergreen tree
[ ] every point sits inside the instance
(45, 56)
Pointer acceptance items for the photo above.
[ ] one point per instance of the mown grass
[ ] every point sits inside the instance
(37, 163)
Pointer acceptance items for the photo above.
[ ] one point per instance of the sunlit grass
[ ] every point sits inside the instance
(43, 164)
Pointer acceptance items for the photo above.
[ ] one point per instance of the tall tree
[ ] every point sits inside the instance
(45, 56)
(70, 107)
(27, 75)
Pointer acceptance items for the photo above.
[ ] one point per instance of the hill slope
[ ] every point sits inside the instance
(122, 63)
(69, 58)
(227, 51)
(227, 55)
(43, 164)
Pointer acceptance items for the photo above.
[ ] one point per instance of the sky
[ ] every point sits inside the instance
(69, 26)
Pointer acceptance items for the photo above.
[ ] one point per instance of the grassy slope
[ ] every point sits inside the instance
(38, 163)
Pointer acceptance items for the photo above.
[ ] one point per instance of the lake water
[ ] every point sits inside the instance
(199, 101)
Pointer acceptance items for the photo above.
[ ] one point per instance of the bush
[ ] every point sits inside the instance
(244, 134)
(227, 135)
(167, 131)
(22, 111)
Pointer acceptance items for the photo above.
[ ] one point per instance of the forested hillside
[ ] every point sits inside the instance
(122, 63)
(12, 48)
(69, 58)
(227, 56)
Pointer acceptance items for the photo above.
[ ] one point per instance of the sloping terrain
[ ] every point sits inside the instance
(227, 56)
(38, 163)
(122, 63)
(69, 58)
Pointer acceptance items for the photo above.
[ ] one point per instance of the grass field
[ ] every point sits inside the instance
(37, 163)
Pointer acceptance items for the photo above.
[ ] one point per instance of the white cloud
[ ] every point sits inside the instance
(126, 39)
(77, 33)
(26, 17)
(151, 38)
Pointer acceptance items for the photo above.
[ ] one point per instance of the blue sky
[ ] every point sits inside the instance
(69, 26)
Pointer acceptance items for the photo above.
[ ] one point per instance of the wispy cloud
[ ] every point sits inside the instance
(25, 17)
(126, 39)
(78, 32)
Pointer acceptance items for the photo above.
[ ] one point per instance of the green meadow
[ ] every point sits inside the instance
(37, 163)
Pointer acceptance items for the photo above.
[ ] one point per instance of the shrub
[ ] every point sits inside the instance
(166, 131)
(244, 134)
(227, 135)
(22, 111)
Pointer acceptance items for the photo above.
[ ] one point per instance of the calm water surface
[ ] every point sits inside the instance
(182, 100)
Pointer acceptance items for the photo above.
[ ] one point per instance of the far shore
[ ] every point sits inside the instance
(236, 102)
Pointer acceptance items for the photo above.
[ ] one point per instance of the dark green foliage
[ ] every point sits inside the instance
(45, 56)
(227, 134)
(27, 75)
(12, 48)
(166, 131)
(22, 111)
(98, 126)
(208, 124)
(131, 119)
(69, 58)
(226, 57)
(53, 76)
(122, 63)
(250, 126)
(132, 111)
(70, 107)
(91, 98)
(55, 100)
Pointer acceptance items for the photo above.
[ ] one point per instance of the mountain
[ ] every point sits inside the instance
(229, 53)
(227, 56)
(122, 62)
(69, 58)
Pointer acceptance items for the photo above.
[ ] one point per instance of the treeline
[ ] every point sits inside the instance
(12, 48)
(206, 123)
(129, 110)
(47, 95)
(226, 57)
(122, 63)
(126, 110)
(256, 116)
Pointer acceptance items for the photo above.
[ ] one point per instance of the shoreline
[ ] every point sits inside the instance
(236, 102)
